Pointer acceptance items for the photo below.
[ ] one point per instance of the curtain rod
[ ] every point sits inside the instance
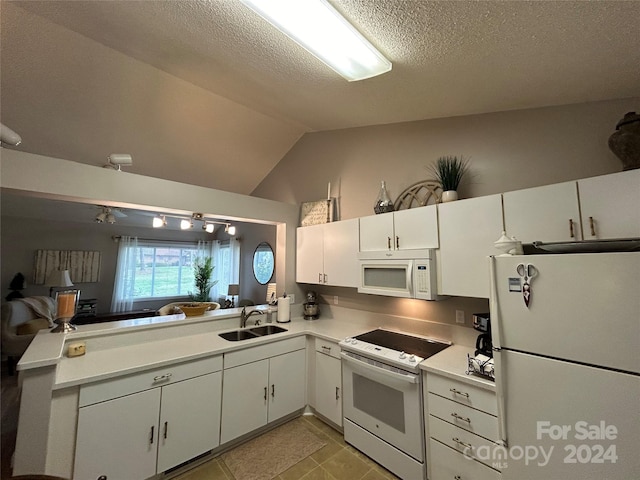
(116, 238)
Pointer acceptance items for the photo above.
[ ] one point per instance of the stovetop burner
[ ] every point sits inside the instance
(412, 345)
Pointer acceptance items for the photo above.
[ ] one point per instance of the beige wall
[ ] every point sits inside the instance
(508, 151)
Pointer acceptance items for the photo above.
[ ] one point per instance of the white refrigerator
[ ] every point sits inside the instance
(567, 365)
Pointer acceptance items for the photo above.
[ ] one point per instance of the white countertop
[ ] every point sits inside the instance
(129, 346)
(452, 363)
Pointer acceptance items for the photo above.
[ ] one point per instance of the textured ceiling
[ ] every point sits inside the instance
(258, 92)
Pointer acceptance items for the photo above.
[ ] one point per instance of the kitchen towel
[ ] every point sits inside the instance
(284, 309)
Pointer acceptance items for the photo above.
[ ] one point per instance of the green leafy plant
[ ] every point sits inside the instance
(449, 170)
(202, 270)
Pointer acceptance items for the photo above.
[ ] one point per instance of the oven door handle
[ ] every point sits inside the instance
(408, 378)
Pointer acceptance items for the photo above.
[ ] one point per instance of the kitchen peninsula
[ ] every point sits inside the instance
(166, 352)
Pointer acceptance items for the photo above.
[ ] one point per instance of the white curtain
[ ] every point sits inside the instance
(123, 289)
(226, 259)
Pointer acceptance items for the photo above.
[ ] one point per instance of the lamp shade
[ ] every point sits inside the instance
(59, 278)
(234, 289)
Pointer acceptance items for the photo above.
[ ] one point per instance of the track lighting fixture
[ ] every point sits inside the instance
(208, 225)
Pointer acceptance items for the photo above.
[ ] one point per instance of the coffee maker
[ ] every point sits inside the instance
(310, 308)
(482, 323)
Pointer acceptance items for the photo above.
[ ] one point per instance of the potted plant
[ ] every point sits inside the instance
(202, 270)
(449, 170)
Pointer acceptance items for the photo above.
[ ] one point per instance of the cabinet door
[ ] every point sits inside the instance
(118, 438)
(286, 383)
(189, 419)
(547, 214)
(341, 253)
(309, 258)
(609, 205)
(468, 229)
(329, 387)
(244, 399)
(376, 233)
(416, 228)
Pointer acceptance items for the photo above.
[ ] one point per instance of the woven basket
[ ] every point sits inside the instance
(193, 310)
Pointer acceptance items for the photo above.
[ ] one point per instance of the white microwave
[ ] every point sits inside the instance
(406, 274)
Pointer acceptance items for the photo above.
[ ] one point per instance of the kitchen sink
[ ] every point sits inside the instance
(238, 335)
(267, 330)
(255, 332)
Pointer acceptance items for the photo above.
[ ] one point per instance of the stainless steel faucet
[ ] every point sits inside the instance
(244, 316)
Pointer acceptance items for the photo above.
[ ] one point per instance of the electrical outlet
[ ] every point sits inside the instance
(335, 299)
(292, 298)
(460, 316)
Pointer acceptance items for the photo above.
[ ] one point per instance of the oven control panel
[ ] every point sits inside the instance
(394, 357)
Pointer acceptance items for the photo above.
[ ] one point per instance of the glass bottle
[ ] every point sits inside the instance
(383, 202)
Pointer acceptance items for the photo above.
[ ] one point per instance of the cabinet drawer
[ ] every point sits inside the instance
(463, 393)
(448, 464)
(117, 387)
(253, 354)
(328, 348)
(464, 417)
(462, 441)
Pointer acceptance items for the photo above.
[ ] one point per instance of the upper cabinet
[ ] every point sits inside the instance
(548, 214)
(328, 254)
(610, 205)
(411, 229)
(468, 229)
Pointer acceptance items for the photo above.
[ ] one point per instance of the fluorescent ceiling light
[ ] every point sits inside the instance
(319, 28)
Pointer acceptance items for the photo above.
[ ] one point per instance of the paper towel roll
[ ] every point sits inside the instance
(284, 307)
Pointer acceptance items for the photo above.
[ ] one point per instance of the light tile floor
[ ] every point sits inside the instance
(335, 461)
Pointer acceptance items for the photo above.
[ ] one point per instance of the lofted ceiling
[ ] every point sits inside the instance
(205, 92)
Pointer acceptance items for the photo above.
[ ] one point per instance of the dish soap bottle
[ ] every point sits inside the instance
(383, 202)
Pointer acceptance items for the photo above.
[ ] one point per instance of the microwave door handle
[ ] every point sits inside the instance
(410, 277)
(408, 378)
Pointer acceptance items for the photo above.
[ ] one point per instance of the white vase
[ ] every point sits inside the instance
(449, 196)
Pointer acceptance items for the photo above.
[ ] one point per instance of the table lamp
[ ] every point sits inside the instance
(66, 300)
(234, 289)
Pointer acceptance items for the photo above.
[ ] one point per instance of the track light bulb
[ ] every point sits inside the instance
(185, 224)
(159, 222)
(209, 227)
(231, 230)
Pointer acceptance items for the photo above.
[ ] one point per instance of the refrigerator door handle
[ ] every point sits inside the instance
(497, 351)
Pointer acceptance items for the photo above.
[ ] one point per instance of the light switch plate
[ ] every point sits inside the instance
(460, 316)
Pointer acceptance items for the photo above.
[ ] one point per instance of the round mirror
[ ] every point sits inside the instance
(263, 263)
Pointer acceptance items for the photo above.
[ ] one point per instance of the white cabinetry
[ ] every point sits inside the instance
(149, 429)
(468, 229)
(415, 228)
(328, 381)
(610, 205)
(462, 426)
(262, 384)
(328, 254)
(547, 214)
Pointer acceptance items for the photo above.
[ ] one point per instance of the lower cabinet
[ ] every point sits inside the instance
(328, 381)
(262, 391)
(148, 432)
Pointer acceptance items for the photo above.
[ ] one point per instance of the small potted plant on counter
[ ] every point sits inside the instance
(449, 170)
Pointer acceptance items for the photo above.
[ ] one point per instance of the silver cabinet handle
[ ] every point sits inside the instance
(458, 417)
(388, 243)
(319, 277)
(273, 390)
(460, 442)
(571, 228)
(337, 393)
(166, 430)
(162, 378)
(458, 392)
(326, 349)
(325, 278)
(397, 242)
(265, 394)
(592, 225)
(151, 435)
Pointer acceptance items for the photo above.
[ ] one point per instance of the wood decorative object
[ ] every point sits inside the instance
(419, 194)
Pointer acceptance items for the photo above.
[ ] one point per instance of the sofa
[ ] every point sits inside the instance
(20, 323)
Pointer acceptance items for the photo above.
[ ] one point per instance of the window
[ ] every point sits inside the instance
(150, 269)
